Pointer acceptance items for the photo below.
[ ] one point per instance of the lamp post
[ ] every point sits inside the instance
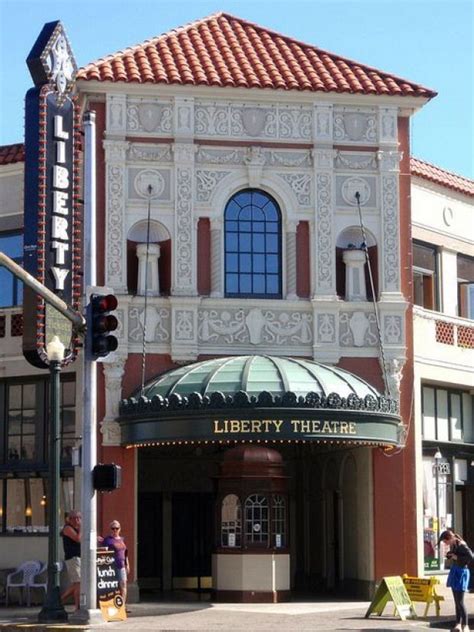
(437, 459)
(53, 610)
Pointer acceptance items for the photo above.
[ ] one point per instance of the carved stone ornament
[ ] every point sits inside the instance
(351, 186)
(116, 108)
(160, 153)
(394, 374)
(254, 326)
(111, 432)
(355, 127)
(390, 231)
(357, 329)
(220, 157)
(364, 162)
(149, 184)
(326, 328)
(324, 238)
(393, 328)
(158, 322)
(151, 117)
(206, 183)
(253, 120)
(300, 183)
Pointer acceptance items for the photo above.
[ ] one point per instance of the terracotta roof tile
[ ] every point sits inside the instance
(9, 154)
(223, 50)
(440, 176)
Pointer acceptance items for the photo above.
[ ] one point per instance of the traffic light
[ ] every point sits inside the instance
(100, 323)
(106, 477)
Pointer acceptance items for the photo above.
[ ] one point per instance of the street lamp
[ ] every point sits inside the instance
(437, 459)
(53, 610)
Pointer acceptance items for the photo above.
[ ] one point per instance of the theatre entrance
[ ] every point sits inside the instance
(329, 518)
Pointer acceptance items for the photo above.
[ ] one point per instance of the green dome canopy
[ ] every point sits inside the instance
(256, 373)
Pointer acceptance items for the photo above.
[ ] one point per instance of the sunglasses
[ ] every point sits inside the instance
(114, 528)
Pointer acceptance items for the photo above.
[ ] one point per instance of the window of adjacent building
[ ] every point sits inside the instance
(445, 414)
(231, 521)
(425, 276)
(11, 294)
(252, 246)
(256, 519)
(24, 415)
(465, 267)
(24, 503)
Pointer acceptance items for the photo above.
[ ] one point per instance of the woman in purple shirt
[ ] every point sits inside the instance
(116, 543)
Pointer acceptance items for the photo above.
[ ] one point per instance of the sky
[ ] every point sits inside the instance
(426, 41)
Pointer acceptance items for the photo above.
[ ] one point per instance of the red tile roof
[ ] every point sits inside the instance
(225, 51)
(440, 176)
(10, 154)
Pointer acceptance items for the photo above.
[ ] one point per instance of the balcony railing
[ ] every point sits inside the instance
(449, 330)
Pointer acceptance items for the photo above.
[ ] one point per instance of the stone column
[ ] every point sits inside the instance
(109, 426)
(216, 258)
(116, 252)
(152, 277)
(291, 260)
(354, 261)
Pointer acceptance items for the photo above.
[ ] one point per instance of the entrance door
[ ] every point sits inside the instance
(193, 540)
(150, 541)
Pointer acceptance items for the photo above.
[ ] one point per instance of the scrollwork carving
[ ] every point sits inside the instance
(206, 183)
(300, 183)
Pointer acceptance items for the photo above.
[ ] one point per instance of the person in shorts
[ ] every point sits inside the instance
(458, 579)
(116, 543)
(71, 535)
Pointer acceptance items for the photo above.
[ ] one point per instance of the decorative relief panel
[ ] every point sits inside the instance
(324, 237)
(115, 194)
(345, 160)
(391, 256)
(220, 156)
(355, 126)
(206, 183)
(150, 117)
(184, 325)
(357, 329)
(254, 326)
(393, 330)
(300, 183)
(184, 231)
(140, 179)
(348, 186)
(326, 328)
(158, 324)
(239, 120)
(388, 125)
(323, 123)
(389, 160)
(160, 153)
(116, 114)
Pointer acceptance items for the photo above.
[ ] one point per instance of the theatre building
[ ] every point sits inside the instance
(254, 221)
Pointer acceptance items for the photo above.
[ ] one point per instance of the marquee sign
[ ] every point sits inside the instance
(52, 237)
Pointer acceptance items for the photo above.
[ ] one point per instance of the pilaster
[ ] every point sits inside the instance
(291, 260)
(116, 194)
(109, 426)
(216, 258)
(184, 241)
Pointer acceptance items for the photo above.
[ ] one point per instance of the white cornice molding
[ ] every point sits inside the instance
(406, 105)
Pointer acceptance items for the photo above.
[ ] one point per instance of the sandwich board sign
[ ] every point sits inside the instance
(109, 599)
(392, 589)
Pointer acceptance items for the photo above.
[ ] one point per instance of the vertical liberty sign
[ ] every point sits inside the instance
(52, 238)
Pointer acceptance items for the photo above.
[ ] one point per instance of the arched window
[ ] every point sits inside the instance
(252, 245)
(231, 527)
(256, 519)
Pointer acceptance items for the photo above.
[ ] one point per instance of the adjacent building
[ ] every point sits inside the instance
(254, 209)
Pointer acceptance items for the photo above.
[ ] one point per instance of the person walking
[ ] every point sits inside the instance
(115, 542)
(71, 535)
(458, 579)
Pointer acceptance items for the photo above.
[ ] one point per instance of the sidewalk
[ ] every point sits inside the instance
(297, 616)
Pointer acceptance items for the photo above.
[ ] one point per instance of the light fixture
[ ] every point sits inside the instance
(43, 501)
(28, 512)
(55, 350)
(437, 455)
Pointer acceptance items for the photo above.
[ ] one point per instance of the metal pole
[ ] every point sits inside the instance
(88, 612)
(53, 610)
(76, 319)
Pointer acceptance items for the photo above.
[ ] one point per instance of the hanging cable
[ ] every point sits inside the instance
(150, 190)
(374, 298)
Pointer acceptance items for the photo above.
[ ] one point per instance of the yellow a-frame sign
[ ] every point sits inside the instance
(392, 589)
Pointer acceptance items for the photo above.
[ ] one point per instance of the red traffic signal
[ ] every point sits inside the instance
(100, 323)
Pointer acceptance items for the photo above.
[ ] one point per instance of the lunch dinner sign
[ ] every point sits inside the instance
(53, 214)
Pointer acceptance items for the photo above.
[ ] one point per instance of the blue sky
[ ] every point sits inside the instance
(426, 41)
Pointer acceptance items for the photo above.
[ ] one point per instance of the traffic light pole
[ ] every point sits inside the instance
(88, 612)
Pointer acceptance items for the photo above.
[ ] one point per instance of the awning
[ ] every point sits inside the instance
(259, 399)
